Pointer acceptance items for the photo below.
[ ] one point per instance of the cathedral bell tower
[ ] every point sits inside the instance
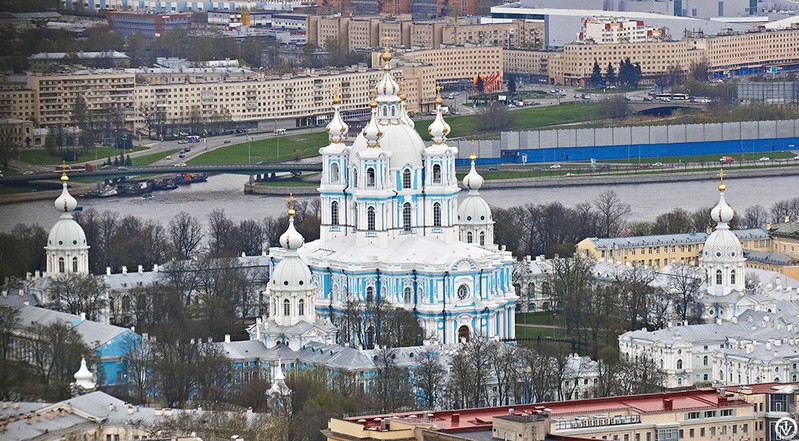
(336, 205)
(440, 182)
(67, 251)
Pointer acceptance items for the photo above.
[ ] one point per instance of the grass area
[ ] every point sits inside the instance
(281, 148)
(528, 332)
(40, 157)
(547, 318)
(714, 158)
(149, 159)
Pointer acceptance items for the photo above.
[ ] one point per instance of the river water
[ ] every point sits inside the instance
(226, 192)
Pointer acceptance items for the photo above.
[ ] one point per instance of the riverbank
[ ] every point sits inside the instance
(571, 181)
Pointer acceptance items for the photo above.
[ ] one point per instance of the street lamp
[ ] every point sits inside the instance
(249, 147)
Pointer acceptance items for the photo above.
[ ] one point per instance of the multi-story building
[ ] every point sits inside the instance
(731, 54)
(530, 62)
(510, 34)
(605, 30)
(153, 25)
(55, 61)
(738, 414)
(159, 6)
(16, 133)
(665, 249)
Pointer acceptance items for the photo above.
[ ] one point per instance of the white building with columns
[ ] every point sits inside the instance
(393, 229)
(67, 250)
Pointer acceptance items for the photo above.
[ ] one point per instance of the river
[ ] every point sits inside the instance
(226, 192)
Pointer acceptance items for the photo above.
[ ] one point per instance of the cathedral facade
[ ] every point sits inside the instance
(394, 231)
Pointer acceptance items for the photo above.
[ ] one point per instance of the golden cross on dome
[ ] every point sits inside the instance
(721, 176)
(291, 204)
(439, 88)
(64, 176)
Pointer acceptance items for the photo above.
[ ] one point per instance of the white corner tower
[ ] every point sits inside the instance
(474, 215)
(84, 379)
(722, 258)
(337, 203)
(441, 183)
(67, 251)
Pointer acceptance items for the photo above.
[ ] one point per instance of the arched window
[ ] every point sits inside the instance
(301, 307)
(75, 265)
(370, 294)
(370, 338)
(355, 177)
(62, 266)
(370, 177)
(370, 218)
(286, 307)
(732, 277)
(436, 174)
(469, 237)
(408, 295)
(334, 178)
(334, 213)
(718, 277)
(406, 178)
(406, 216)
(482, 238)
(704, 360)
(436, 214)
(679, 363)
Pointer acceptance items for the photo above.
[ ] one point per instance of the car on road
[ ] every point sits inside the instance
(764, 159)
(227, 141)
(796, 158)
(182, 141)
(168, 157)
(644, 165)
(180, 164)
(493, 169)
(105, 167)
(657, 164)
(122, 168)
(726, 159)
(648, 98)
(27, 172)
(263, 163)
(554, 166)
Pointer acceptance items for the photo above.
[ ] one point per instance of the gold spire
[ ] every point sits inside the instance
(472, 157)
(373, 103)
(721, 176)
(291, 205)
(336, 95)
(439, 101)
(64, 177)
(402, 95)
(386, 54)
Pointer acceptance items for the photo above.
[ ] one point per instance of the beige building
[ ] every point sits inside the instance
(16, 133)
(723, 54)
(605, 30)
(527, 61)
(661, 250)
(515, 34)
(735, 414)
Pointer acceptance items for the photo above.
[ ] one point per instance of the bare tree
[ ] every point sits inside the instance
(55, 352)
(755, 216)
(185, 234)
(392, 389)
(221, 234)
(9, 373)
(78, 293)
(684, 284)
(633, 285)
(612, 212)
(140, 358)
(428, 379)
(502, 359)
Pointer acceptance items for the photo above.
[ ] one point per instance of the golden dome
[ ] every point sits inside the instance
(721, 175)
(472, 157)
(291, 205)
(439, 101)
(64, 177)
(386, 56)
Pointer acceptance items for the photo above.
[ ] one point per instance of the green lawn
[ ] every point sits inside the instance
(714, 158)
(547, 318)
(281, 148)
(149, 159)
(40, 157)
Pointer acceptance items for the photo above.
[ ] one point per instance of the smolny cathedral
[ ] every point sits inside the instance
(392, 231)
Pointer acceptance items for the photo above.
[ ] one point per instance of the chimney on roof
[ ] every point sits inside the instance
(108, 271)
(38, 274)
(38, 418)
(456, 417)
(141, 269)
(510, 411)
(668, 405)
(227, 338)
(124, 269)
(82, 316)
(787, 219)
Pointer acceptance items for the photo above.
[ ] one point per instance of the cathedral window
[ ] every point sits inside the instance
(437, 214)
(370, 338)
(718, 277)
(370, 177)
(370, 219)
(301, 307)
(436, 174)
(334, 213)
(61, 265)
(406, 217)
(732, 277)
(407, 296)
(406, 178)
(463, 292)
(469, 237)
(355, 177)
(334, 178)
(370, 294)
(679, 363)
(286, 307)
(75, 266)
(482, 238)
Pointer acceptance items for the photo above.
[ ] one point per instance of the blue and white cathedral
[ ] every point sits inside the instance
(392, 228)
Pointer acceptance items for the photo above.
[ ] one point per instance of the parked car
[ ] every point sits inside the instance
(168, 157)
(122, 168)
(726, 159)
(764, 159)
(227, 141)
(180, 164)
(493, 169)
(554, 166)
(657, 164)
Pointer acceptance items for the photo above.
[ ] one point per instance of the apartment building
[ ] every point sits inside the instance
(371, 32)
(16, 132)
(661, 250)
(730, 54)
(742, 413)
(153, 25)
(526, 61)
(160, 6)
(605, 30)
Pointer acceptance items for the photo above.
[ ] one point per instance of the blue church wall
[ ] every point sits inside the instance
(635, 151)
